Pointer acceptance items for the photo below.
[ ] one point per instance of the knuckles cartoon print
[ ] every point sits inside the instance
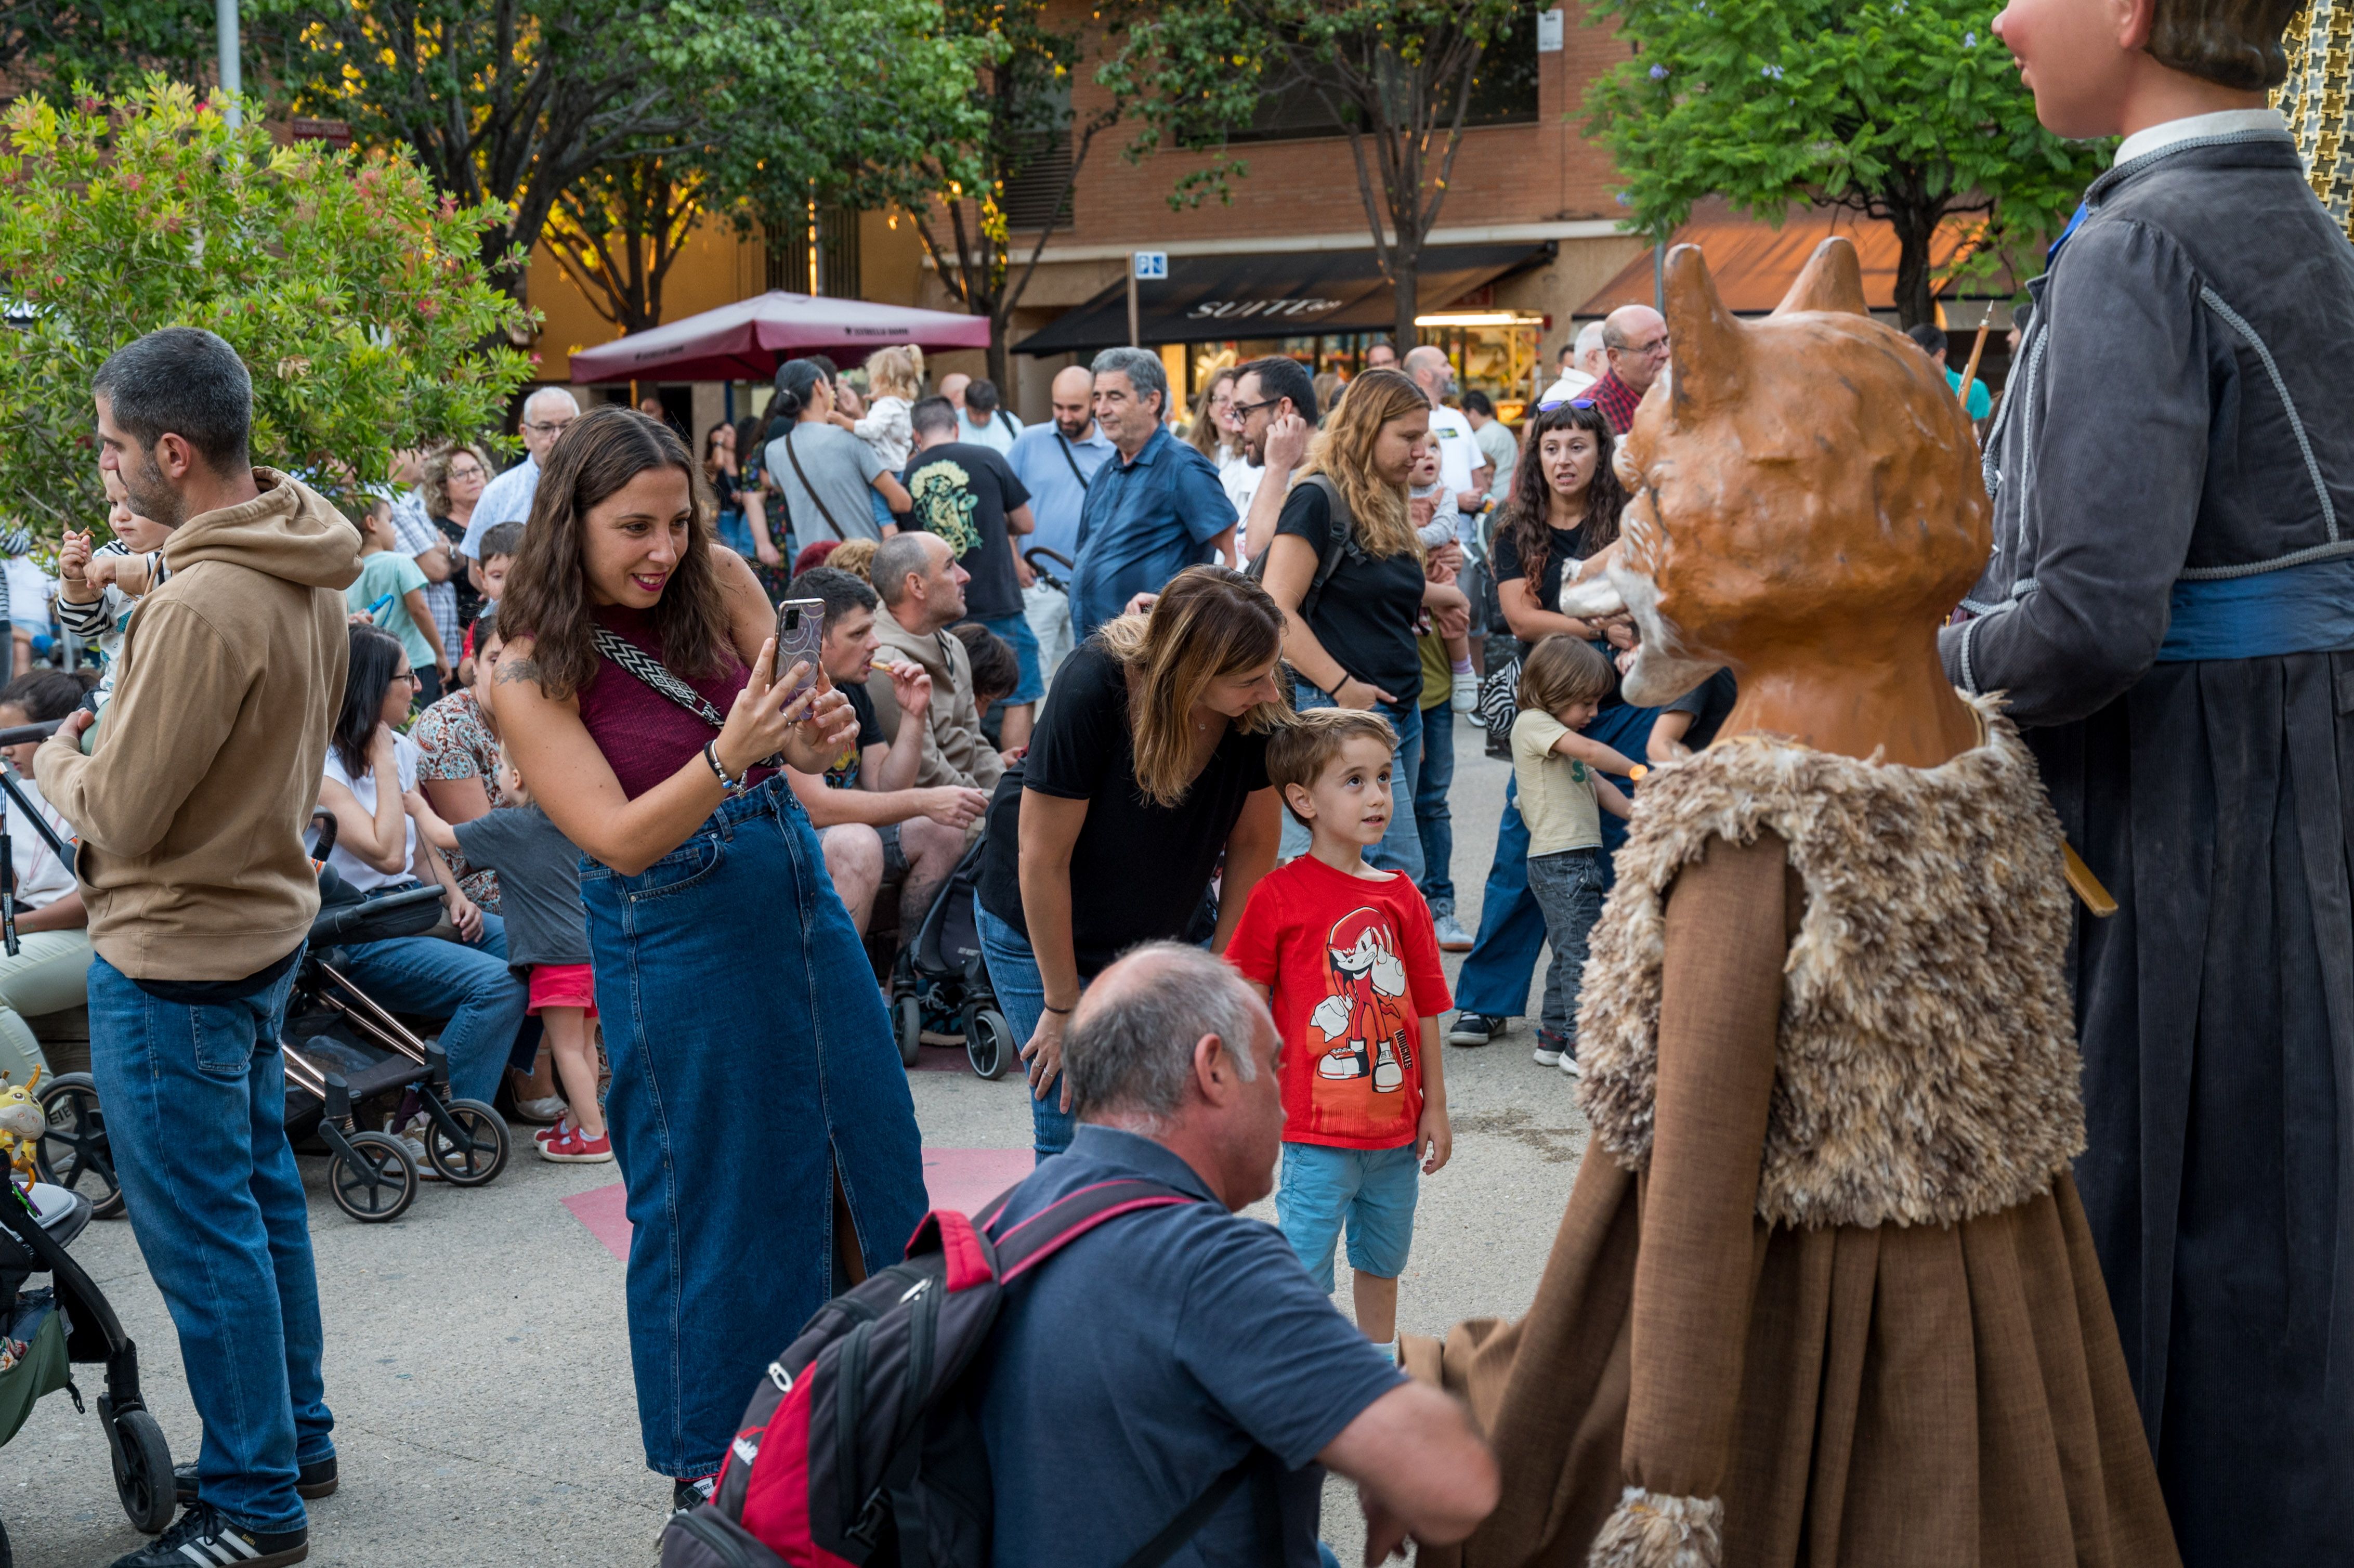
(1362, 1017)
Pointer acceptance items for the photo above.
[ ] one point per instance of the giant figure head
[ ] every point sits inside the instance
(1805, 488)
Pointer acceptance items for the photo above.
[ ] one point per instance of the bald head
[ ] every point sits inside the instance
(953, 387)
(1635, 339)
(1431, 372)
(546, 415)
(1073, 396)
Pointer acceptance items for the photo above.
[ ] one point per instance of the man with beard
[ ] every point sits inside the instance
(191, 809)
(1056, 461)
(1275, 399)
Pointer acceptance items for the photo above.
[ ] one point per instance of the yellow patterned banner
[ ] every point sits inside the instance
(2318, 100)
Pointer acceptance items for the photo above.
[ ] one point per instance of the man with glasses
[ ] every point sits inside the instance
(507, 499)
(1635, 339)
(1274, 410)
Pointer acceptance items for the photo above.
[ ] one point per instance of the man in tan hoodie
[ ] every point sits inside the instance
(922, 589)
(190, 811)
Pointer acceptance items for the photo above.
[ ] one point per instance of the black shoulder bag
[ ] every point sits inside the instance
(795, 459)
(1339, 543)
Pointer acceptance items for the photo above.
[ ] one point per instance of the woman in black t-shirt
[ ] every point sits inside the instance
(1565, 507)
(1353, 645)
(1148, 762)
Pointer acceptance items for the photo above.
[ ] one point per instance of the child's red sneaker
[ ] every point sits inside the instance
(574, 1148)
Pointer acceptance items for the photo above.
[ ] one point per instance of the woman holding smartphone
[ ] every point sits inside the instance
(758, 1111)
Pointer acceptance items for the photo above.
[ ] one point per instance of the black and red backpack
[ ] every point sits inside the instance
(862, 1448)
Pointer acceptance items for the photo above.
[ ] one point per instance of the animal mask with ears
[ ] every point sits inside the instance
(1804, 489)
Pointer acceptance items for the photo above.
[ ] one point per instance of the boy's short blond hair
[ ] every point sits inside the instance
(1300, 751)
(1564, 670)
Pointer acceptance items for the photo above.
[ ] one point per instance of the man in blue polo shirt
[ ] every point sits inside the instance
(1155, 509)
(1155, 1352)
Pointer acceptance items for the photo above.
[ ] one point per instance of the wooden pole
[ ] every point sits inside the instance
(1133, 334)
(1976, 349)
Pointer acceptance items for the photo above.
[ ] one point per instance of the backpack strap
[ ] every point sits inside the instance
(1034, 1240)
(1072, 458)
(1340, 542)
(1263, 1471)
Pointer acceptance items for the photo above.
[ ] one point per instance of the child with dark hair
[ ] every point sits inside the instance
(996, 671)
(1562, 796)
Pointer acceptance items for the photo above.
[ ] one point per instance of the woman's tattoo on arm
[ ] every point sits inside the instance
(514, 669)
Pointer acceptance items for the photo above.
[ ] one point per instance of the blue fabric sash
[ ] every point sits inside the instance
(2297, 609)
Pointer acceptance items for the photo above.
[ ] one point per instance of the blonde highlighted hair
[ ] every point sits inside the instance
(1343, 452)
(894, 372)
(1209, 623)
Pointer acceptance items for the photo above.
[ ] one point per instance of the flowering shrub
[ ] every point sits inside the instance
(353, 295)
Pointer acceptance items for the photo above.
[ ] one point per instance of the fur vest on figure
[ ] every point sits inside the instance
(1927, 1069)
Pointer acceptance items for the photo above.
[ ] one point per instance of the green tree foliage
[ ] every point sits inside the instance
(352, 293)
(1396, 75)
(1909, 112)
(112, 44)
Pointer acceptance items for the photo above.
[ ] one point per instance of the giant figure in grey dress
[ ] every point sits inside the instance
(2170, 607)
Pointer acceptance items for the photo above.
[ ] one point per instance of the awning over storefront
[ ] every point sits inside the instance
(1210, 297)
(747, 340)
(1754, 266)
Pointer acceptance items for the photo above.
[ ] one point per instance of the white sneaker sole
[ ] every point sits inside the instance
(555, 1159)
(1547, 1058)
(1569, 1065)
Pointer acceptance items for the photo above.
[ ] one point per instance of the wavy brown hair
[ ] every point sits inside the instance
(547, 597)
(436, 487)
(1343, 452)
(1528, 512)
(1210, 622)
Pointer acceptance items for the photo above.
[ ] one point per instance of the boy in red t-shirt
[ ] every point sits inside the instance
(1348, 961)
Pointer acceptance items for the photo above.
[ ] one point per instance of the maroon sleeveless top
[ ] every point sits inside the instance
(645, 736)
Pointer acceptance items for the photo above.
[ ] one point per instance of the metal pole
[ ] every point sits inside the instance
(1133, 334)
(1660, 276)
(232, 77)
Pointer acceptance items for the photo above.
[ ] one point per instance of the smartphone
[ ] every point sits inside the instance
(800, 622)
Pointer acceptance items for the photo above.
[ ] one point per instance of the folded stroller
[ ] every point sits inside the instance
(939, 976)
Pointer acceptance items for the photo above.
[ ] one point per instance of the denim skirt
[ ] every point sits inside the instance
(753, 1067)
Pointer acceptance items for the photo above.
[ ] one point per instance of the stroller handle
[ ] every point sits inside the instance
(19, 734)
(1032, 554)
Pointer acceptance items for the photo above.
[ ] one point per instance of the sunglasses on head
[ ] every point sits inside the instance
(1564, 403)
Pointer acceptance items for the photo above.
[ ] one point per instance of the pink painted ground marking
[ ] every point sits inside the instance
(960, 1178)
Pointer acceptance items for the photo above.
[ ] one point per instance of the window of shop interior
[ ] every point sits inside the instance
(1503, 362)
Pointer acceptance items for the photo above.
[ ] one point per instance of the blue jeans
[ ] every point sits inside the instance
(1022, 997)
(467, 984)
(1015, 629)
(747, 1092)
(736, 533)
(1568, 888)
(1496, 973)
(1401, 845)
(196, 1106)
(1434, 819)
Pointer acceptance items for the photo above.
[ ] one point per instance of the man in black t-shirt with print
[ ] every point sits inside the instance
(969, 495)
(875, 827)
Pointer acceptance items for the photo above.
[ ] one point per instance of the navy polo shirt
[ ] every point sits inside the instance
(1145, 520)
(1140, 1363)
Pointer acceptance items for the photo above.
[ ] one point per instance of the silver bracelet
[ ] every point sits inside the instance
(730, 785)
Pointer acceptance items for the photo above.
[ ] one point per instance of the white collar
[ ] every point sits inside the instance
(2223, 122)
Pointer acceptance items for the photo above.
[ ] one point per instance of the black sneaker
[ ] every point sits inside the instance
(1477, 1028)
(203, 1536)
(314, 1480)
(685, 1496)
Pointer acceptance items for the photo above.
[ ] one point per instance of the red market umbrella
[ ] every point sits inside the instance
(747, 340)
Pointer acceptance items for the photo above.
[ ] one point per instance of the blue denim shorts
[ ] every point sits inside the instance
(1371, 1189)
(1015, 629)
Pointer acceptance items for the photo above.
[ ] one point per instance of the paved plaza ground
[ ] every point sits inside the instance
(478, 1362)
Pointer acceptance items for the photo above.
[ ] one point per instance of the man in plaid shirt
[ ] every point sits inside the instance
(1635, 337)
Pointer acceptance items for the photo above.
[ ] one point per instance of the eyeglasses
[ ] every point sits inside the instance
(1564, 403)
(546, 427)
(1238, 412)
(466, 473)
(411, 676)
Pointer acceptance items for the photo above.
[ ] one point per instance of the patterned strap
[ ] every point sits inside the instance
(611, 645)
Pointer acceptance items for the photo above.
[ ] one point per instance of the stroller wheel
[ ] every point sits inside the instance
(482, 1156)
(73, 1153)
(908, 1014)
(142, 1471)
(376, 1181)
(988, 1042)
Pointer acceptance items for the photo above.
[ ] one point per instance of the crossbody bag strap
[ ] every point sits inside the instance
(795, 459)
(612, 645)
(1263, 1472)
(1070, 457)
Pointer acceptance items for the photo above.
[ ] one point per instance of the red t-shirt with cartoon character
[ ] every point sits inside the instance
(1352, 968)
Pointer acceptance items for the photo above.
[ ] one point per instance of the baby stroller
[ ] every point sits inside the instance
(939, 977)
(342, 1049)
(65, 1322)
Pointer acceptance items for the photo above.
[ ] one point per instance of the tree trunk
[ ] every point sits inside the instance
(1914, 226)
(1405, 260)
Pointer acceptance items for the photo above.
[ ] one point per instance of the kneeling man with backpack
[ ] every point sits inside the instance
(1107, 1368)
